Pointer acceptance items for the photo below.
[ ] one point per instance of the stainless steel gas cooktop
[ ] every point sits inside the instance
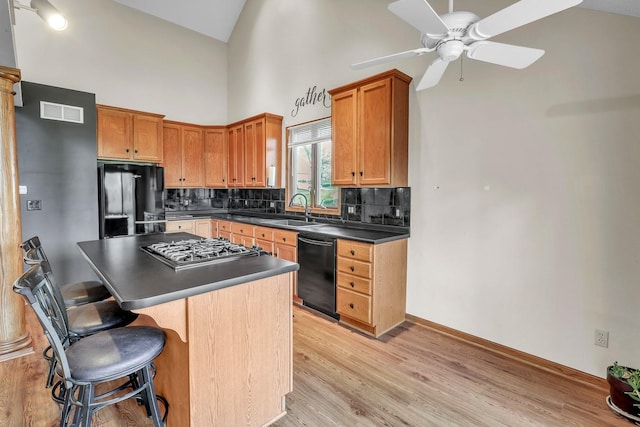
(190, 253)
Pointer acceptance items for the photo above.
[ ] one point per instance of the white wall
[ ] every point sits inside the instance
(532, 238)
(128, 59)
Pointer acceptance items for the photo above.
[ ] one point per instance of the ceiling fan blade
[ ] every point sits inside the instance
(388, 58)
(504, 54)
(420, 15)
(433, 74)
(516, 15)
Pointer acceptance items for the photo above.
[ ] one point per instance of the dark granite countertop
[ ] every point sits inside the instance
(137, 280)
(363, 233)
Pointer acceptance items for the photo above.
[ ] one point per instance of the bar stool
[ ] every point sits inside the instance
(124, 354)
(74, 294)
(81, 321)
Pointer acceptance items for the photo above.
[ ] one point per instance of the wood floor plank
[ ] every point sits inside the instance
(412, 376)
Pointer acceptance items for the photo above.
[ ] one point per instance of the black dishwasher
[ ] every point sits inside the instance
(317, 274)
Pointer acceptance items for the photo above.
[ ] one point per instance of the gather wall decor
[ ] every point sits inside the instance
(312, 97)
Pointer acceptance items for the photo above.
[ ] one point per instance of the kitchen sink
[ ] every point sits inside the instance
(291, 222)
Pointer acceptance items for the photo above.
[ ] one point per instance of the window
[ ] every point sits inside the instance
(309, 151)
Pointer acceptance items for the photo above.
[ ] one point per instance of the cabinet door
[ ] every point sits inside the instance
(344, 114)
(236, 157)
(254, 152)
(203, 228)
(192, 153)
(172, 155)
(259, 154)
(290, 253)
(249, 154)
(114, 134)
(215, 157)
(374, 133)
(147, 138)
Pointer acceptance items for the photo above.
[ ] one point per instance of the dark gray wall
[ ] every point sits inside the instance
(57, 163)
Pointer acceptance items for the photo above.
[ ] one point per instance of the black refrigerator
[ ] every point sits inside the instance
(130, 198)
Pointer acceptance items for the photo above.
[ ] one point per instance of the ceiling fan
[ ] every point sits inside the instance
(453, 33)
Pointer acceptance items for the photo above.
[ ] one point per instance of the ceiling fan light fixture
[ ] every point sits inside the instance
(450, 50)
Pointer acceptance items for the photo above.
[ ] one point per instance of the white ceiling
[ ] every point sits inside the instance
(213, 18)
(216, 18)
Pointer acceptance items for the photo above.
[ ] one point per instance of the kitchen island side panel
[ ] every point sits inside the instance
(236, 365)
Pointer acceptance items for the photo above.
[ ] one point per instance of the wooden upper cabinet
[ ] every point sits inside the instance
(235, 162)
(255, 144)
(183, 155)
(147, 138)
(192, 157)
(344, 120)
(255, 172)
(129, 135)
(215, 157)
(370, 125)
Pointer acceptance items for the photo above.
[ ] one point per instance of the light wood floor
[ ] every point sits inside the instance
(413, 376)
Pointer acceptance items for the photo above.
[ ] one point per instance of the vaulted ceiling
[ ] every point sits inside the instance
(217, 18)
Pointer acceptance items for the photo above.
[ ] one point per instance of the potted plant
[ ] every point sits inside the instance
(624, 387)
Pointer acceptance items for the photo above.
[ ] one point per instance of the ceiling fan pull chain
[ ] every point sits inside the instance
(461, 78)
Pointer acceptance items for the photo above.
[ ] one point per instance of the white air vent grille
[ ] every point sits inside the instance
(61, 112)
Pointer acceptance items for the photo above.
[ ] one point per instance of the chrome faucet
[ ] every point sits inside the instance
(307, 211)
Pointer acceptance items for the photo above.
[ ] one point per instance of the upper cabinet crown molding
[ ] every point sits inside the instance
(370, 131)
(125, 134)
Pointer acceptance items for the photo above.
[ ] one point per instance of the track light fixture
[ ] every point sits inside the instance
(46, 11)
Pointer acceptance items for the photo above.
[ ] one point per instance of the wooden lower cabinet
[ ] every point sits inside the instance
(286, 247)
(199, 227)
(371, 285)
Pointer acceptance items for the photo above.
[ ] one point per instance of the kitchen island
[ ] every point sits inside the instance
(228, 358)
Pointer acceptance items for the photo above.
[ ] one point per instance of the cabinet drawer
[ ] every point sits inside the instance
(224, 226)
(354, 283)
(264, 233)
(354, 305)
(180, 226)
(351, 266)
(242, 229)
(286, 237)
(355, 250)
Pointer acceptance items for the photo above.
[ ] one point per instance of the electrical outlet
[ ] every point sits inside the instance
(351, 209)
(601, 338)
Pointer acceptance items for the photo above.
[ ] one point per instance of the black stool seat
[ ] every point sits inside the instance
(80, 293)
(114, 353)
(88, 319)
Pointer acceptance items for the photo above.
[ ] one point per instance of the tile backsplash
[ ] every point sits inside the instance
(386, 206)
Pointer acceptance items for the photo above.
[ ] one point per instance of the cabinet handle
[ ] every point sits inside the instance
(284, 239)
(351, 305)
(127, 150)
(361, 173)
(353, 174)
(241, 230)
(222, 179)
(352, 268)
(135, 151)
(353, 252)
(262, 234)
(352, 284)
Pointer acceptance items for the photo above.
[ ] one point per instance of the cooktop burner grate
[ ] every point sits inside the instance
(190, 253)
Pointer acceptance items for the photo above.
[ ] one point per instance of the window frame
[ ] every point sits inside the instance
(315, 190)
